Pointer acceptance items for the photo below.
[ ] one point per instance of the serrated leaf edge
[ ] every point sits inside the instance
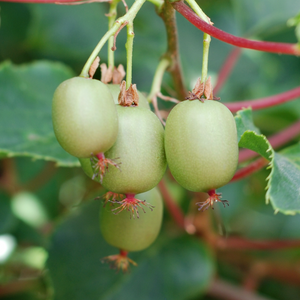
(270, 166)
(268, 197)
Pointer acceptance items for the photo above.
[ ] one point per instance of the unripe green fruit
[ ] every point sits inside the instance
(132, 234)
(87, 167)
(84, 116)
(140, 149)
(201, 144)
(115, 90)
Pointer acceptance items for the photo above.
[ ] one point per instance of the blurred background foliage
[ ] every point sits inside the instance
(50, 242)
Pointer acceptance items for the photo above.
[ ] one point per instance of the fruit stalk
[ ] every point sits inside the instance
(43, 1)
(128, 17)
(206, 38)
(283, 48)
(157, 3)
(112, 14)
(206, 43)
(129, 49)
(158, 77)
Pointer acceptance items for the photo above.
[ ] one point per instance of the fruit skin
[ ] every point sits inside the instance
(140, 151)
(201, 144)
(84, 116)
(115, 90)
(133, 234)
(87, 167)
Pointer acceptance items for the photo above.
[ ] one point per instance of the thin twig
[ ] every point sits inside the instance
(114, 48)
(167, 98)
(173, 208)
(168, 15)
(239, 243)
(220, 289)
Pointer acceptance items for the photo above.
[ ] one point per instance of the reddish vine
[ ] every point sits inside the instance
(266, 101)
(281, 48)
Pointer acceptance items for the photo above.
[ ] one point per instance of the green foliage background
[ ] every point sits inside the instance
(56, 233)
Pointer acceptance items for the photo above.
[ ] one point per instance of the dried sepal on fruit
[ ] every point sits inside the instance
(114, 75)
(128, 97)
(106, 73)
(118, 74)
(197, 91)
(115, 91)
(94, 67)
(202, 91)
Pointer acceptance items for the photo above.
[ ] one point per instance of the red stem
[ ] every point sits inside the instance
(275, 140)
(123, 253)
(227, 68)
(222, 290)
(251, 168)
(241, 243)
(265, 102)
(284, 48)
(40, 1)
(285, 135)
(130, 196)
(211, 193)
(100, 156)
(174, 209)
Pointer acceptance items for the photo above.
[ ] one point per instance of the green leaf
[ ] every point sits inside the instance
(249, 135)
(283, 185)
(256, 142)
(295, 21)
(180, 268)
(244, 122)
(25, 115)
(283, 181)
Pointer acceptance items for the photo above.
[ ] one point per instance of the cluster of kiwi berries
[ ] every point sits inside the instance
(122, 144)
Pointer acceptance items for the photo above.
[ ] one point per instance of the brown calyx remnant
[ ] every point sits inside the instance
(202, 90)
(128, 97)
(114, 75)
(94, 67)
